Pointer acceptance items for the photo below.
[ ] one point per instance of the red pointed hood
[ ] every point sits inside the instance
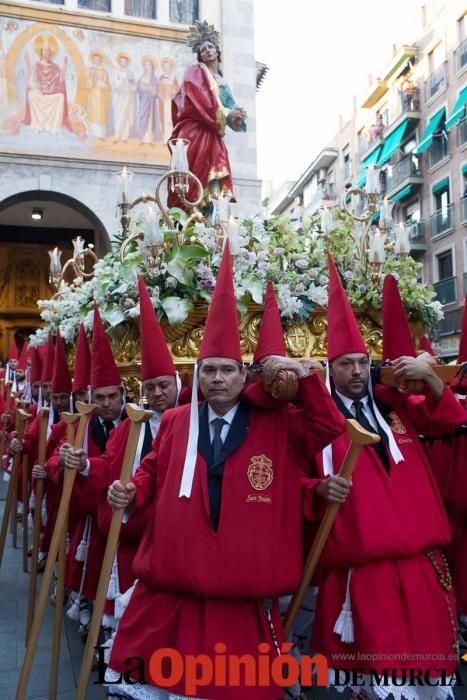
(23, 358)
(61, 378)
(221, 336)
(156, 360)
(397, 340)
(270, 339)
(48, 364)
(82, 370)
(36, 366)
(104, 371)
(13, 354)
(426, 345)
(343, 332)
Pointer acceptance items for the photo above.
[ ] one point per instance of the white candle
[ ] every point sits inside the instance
(223, 209)
(123, 183)
(232, 235)
(179, 159)
(327, 220)
(372, 180)
(402, 244)
(152, 233)
(78, 246)
(55, 262)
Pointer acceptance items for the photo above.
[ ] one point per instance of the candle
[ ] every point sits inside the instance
(327, 220)
(402, 244)
(78, 246)
(376, 252)
(372, 180)
(223, 209)
(232, 235)
(153, 235)
(123, 180)
(179, 159)
(55, 263)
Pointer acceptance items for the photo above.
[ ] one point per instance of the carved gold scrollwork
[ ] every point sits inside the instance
(318, 327)
(195, 318)
(249, 330)
(188, 345)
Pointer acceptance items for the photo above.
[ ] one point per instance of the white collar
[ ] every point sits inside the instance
(228, 417)
(348, 402)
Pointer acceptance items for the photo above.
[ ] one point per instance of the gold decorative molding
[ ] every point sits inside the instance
(307, 339)
(81, 18)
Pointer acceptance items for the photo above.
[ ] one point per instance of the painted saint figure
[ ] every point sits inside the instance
(147, 94)
(168, 86)
(201, 109)
(99, 91)
(123, 98)
(46, 99)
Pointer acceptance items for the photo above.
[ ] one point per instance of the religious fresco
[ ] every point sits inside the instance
(84, 93)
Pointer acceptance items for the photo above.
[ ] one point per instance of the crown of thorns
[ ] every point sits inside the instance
(201, 32)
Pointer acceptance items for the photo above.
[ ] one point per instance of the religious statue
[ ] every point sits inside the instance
(99, 90)
(46, 99)
(202, 108)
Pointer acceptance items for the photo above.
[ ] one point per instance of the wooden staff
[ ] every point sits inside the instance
(70, 419)
(359, 437)
(3, 431)
(21, 420)
(85, 411)
(10, 503)
(36, 528)
(25, 512)
(138, 417)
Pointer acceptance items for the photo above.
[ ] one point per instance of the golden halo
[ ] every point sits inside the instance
(96, 52)
(123, 54)
(169, 60)
(45, 41)
(153, 60)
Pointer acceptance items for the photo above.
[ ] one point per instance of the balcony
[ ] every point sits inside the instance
(436, 82)
(464, 210)
(460, 57)
(442, 220)
(416, 233)
(438, 151)
(404, 173)
(462, 133)
(446, 290)
(320, 198)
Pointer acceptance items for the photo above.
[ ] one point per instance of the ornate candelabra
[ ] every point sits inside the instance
(373, 243)
(178, 179)
(76, 264)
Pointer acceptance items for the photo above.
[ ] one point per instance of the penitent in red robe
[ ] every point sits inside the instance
(399, 608)
(198, 586)
(448, 457)
(198, 116)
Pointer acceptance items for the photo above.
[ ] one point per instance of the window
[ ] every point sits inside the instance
(347, 164)
(141, 8)
(441, 199)
(52, 2)
(445, 265)
(436, 57)
(462, 27)
(412, 212)
(99, 5)
(183, 11)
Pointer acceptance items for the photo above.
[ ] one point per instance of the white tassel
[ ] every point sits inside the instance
(114, 585)
(344, 623)
(73, 610)
(30, 521)
(121, 602)
(44, 513)
(82, 549)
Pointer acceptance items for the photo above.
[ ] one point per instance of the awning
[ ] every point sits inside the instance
(392, 143)
(464, 170)
(441, 185)
(459, 109)
(402, 194)
(433, 124)
(371, 159)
